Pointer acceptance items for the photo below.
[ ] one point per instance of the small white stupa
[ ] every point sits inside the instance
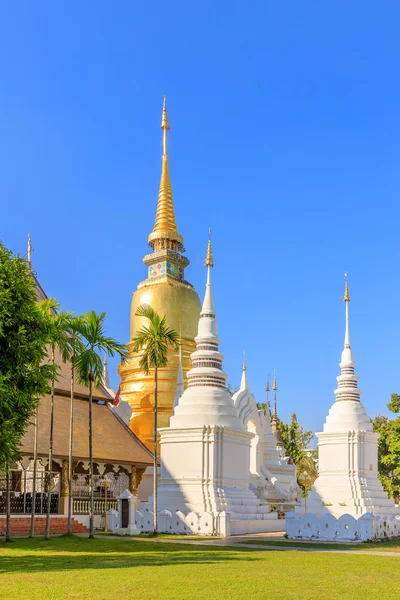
(272, 476)
(205, 453)
(348, 450)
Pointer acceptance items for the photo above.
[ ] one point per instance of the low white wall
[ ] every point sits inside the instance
(257, 526)
(345, 528)
(179, 523)
(203, 524)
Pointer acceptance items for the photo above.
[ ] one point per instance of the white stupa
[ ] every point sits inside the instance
(205, 453)
(348, 450)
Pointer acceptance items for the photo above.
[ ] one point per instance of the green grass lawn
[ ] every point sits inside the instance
(384, 546)
(107, 569)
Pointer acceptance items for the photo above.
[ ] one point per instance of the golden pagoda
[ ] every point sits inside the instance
(167, 291)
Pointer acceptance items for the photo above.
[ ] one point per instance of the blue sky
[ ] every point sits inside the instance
(284, 139)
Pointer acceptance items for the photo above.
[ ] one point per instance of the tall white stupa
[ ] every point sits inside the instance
(348, 450)
(205, 453)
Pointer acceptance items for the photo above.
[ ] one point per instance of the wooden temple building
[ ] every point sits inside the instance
(119, 457)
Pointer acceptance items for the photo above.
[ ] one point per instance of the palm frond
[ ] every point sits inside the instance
(153, 339)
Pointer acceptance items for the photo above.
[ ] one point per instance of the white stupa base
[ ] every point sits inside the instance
(348, 466)
(205, 471)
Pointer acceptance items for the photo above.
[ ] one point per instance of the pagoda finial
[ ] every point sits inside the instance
(275, 388)
(208, 302)
(165, 232)
(347, 381)
(164, 121)
(106, 379)
(267, 389)
(244, 383)
(29, 252)
(209, 258)
(346, 297)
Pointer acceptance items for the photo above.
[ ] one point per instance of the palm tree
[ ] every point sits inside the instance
(152, 341)
(89, 368)
(76, 348)
(59, 339)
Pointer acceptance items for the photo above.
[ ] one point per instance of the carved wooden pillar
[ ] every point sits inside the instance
(64, 487)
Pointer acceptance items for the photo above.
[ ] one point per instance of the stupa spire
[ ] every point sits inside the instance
(208, 302)
(347, 381)
(275, 389)
(274, 420)
(165, 232)
(106, 379)
(244, 385)
(346, 299)
(267, 389)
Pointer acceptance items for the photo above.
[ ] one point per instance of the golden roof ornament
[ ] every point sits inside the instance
(267, 389)
(209, 258)
(165, 225)
(274, 386)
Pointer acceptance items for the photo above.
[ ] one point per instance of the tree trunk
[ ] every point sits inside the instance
(35, 448)
(50, 465)
(71, 436)
(91, 527)
(8, 507)
(155, 450)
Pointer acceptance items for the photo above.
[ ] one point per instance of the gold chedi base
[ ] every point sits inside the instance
(181, 305)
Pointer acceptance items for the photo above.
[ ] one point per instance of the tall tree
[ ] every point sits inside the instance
(59, 340)
(24, 372)
(89, 368)
(153, 341)
(389, 448)
(296, 439)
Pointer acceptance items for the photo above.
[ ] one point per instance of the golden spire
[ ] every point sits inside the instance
(267, 389)
(165, 226)
(346, 297)
(274, 386)
(209, 258)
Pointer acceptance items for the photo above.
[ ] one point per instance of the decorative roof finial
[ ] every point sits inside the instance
(346, 297)
(268, 388)
(30, 249)
(106, 379)
(209, 258)
(275, 388)
(244, 361)
(165, 226)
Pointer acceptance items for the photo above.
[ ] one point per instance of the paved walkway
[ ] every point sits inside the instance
(237, 542)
